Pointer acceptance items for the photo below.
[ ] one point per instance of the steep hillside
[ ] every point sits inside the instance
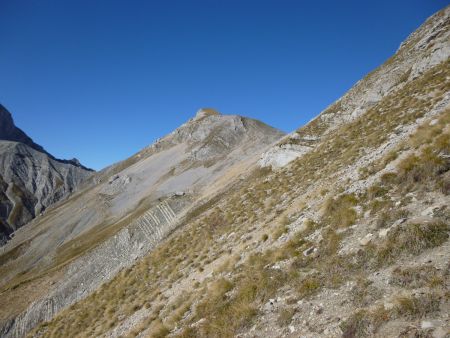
(124, 212)
(349, 237)
(425, 48)
(30, 178)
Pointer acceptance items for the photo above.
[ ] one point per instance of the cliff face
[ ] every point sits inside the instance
(30, 179)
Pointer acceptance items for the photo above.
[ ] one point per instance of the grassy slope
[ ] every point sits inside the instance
(237, 236)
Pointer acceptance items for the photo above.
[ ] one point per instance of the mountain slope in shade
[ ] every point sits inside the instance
(30, 179)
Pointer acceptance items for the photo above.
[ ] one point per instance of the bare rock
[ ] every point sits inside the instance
(366, 240)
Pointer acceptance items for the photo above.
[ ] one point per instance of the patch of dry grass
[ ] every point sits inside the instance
(417, 277)
(339, 211)
(410, 239)
(229, 304)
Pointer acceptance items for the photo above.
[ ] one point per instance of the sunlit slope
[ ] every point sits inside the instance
(350, 239)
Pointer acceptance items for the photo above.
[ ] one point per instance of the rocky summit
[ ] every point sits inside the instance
(31, 179)
(9, 131)
(226, 227)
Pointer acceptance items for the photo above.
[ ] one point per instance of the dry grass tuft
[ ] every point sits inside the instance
(339, 211)
(411, 239)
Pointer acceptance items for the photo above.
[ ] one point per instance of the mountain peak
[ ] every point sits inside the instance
(203, 112)
(9, 131)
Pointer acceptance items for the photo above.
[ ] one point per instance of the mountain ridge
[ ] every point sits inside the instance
(32, 179)
(10, 132)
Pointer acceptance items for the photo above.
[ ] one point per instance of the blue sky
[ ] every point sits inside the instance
(99, 80)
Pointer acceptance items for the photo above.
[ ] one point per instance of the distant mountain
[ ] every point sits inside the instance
(9, 131)
(31, 179)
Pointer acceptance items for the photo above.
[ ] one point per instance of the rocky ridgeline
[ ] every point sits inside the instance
(422, 50)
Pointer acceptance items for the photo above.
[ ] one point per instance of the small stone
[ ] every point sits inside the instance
(429, 211)
(388, 306)
(291, 328)
(399, 221)
(426, 324)
(383, 233)
(231, 234)
(309, 251)
(366, 240)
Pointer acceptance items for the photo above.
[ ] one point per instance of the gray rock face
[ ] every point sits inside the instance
(30, 179)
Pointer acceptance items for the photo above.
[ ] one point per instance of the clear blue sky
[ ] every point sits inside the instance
(99, 80)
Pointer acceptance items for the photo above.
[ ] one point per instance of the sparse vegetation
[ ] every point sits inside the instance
(285, 316)
(364, 323)
(417, 307)
(417, 277)
(410, 239)
(227, 296)
(339, 211)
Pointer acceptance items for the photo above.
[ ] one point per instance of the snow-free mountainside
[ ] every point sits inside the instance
(228, 228)
(31, 179)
